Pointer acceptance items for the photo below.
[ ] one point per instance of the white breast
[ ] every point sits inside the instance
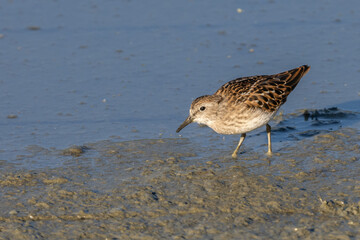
(238, 122)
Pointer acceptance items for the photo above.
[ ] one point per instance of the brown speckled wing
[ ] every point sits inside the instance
(267, 92)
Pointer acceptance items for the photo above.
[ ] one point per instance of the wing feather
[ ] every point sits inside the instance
(267, 92)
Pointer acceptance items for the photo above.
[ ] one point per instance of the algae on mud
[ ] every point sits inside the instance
(152, 189)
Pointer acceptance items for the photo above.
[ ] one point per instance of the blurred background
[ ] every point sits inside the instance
(74, 72)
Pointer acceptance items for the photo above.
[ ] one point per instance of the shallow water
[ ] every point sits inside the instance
(159, 188)
(91, 94)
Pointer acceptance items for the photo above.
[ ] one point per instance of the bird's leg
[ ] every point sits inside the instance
(238, 146)
(268, 130)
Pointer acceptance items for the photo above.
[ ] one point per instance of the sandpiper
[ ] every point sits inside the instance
(245, 104)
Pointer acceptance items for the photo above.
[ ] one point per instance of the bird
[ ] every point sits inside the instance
(245, 104)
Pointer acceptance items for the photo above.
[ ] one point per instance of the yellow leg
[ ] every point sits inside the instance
(242, 138)
(268, 130)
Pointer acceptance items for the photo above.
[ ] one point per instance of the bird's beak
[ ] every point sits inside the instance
(185, 123)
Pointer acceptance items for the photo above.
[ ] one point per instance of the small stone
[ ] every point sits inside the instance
(74, 151)
(33, 28)
(13, 212)
(12, 116)
(42, 205)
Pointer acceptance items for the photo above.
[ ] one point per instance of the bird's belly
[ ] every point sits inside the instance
(242, 122)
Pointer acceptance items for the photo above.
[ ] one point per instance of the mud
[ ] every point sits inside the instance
(161, 189)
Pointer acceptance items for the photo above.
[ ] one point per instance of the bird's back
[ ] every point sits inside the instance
(265, 92)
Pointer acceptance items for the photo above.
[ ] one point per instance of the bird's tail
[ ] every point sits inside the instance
(293, 76)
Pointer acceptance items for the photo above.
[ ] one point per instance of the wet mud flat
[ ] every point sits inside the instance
(160, 189)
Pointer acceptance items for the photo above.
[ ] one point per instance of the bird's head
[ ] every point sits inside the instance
(203, 110)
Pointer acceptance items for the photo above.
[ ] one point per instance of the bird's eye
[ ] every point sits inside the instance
(202, 108)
